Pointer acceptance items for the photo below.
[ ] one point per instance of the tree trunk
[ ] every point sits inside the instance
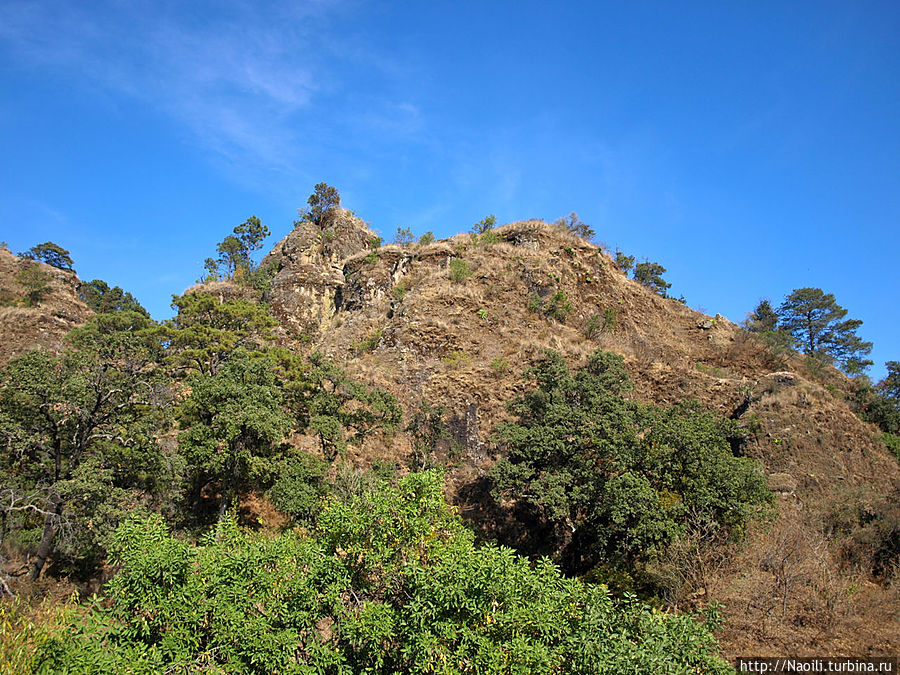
(48, 538)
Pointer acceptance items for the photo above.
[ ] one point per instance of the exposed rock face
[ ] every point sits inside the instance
(45, 324)
(310, 275)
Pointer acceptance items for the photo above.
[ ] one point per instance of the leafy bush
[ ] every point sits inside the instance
(427, 238)
(322, 203)
(559, 307)
(35, 281)
(619, 480)
(485, 224)
(389, 582)
(459, 270)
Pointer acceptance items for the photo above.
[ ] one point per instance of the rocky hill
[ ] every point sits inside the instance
(456, 322)
(39, 304)
(460, 334)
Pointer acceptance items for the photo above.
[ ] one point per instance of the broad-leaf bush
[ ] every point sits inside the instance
(388, 582)
(616, 480)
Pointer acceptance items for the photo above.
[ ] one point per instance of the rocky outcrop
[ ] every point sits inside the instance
(310, 270)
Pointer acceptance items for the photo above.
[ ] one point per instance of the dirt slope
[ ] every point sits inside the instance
(44, 324)
(802, 584)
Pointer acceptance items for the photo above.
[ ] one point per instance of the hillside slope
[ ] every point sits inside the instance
(44, 322)
(807, 583)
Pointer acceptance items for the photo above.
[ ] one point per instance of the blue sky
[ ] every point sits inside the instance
(751, 148)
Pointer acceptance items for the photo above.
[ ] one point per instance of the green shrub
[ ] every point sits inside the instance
(368, 344)
(624, 262)
(388, 582)
(500, 366)
(535, 304)
(484, 224)
(559, 307)
(427, 238)
(456, 358)
(459, 270)
(620, 481)
(35, 281)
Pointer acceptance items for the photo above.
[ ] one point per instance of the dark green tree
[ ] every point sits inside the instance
(232, 419)
(763, 319)
(207, 330)
(820, 329)
(236, 250)
(100, 297)
(649, 274)
(617, 480)
(321, 204)
(80, 424)
(50, 254)
(624, 262)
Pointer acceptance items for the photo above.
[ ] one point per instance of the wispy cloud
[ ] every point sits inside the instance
(237, 75)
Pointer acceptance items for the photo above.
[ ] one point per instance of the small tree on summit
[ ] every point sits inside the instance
(818, 325)
(50, 254)
(321, 201)
(236, 250)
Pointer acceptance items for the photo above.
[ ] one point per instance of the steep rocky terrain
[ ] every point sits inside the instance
(813, 581)
(393, 316)
(44, 323)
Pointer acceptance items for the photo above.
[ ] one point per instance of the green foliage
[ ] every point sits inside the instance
(79, 434)
(100, 297)
(485, 224)
(763, 319)
(456, 359)
(404, 237)
(50, 254)
(624, 262)
(559, 307)
(482, 314)
(35, 281)
(649, 274)
(322, 203)
(299, 487)
(881, 404)
(236, 252)
(369, 343)
(605, 324)
(427, 429)
(818, 326)
(500, 366)
(231, 419)
(620, 481)
(488, 239)
(330, 404)
(375, 243)
(574, 225)
(459, 270)
(427, 238)
(207, 331)
(388, 582)
(535, 304)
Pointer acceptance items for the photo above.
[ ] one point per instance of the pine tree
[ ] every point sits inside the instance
(818, 324)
